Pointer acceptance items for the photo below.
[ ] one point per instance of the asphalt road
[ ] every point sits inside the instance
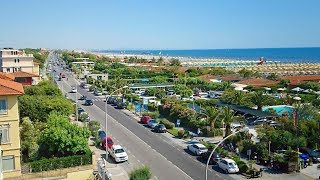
(166, 160)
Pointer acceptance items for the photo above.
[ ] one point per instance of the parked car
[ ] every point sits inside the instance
(73, 90)
(228, 165)
(97, 93)
(315, 156)
(118, 153)
(88, 102)
(101, 134)
(152, 123)
(63, 75)
(145, 119)
(80, 110)
(83, 97)
(110, 100)
(273, 123)
(197, 148)
(109, 143)
(86, 86)
(214, 158)
(120, 105)
(160, 128)
(59, 79)
(258, 121)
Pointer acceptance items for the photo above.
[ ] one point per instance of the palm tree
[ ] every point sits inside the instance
(259, 99)
(238, 97)
(212, 115)
(228, 119)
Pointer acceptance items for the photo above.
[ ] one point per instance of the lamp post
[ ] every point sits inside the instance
(106, 116)
(241, 130)
(77, 115)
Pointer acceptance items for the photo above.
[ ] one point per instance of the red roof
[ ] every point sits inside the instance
(258, 82)
(207, 77)
(295, 80)
(8, 87)
(24, 74)
(6, 76)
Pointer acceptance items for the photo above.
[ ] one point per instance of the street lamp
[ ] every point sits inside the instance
(245, 129)
(106, 116)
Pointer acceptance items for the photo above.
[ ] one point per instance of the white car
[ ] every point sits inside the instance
(197, 148)
(118, 153)
(73, 90)
(228, 165)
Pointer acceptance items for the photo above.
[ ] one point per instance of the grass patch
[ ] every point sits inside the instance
(173, 131)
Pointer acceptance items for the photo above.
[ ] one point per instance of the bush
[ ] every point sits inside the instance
(168, 124)
(63, 162)
(142, 173)
(94, 126)
(181, 133)
(153, 115)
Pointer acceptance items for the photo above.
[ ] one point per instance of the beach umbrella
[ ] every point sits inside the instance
(307, 91)
(267, 88)
(281, 89)
(297, 89)
(318, 92)
(238, 88)
(297, 98)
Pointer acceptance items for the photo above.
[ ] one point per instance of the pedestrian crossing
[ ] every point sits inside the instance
(98, 99)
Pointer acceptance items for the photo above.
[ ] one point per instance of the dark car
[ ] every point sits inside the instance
(80, 110)
(214, 158)
(88, 102)
(110, 100)
(315, 156)
(83, 97)
(120, 105)
(59, 79)
(160, 128)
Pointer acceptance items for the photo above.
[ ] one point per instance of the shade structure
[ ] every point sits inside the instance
(297, 89)
(297, 98)
(281, 89)
(267, 88)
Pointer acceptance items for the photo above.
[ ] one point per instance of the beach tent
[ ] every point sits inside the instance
(307, 91)
(238, 88)
(281, 89)
(267, 88)
(318, 92)
(297, 89)
(297, 98)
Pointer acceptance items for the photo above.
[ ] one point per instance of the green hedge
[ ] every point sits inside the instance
(62, 162)
(142, 173)
(168, 124)
(173, 131)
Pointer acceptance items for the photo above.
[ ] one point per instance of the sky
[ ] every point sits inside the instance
(159, 24)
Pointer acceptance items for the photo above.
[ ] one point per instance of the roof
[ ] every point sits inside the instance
(8, 87)
(207, 77)
(6, 76)
(295, 80)
(230, 77)
(35, 62)
(24, 74)
(258, 82)
(200, 145)
(117, 147)
(246, 110)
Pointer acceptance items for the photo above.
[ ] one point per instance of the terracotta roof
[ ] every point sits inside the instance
(182, 69)
(6, 76)
(295, 80)
(258, 82)
(8, 87)
(207, 77)
(24, 74)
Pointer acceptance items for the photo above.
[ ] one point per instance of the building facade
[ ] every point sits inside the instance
(9, 129)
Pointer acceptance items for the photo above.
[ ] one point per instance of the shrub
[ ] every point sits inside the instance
(63, 162)
(173, 131)
(181, 133)
(94, 126)
(243, 167)
(153, 115)
(168, 124)
(142, 173)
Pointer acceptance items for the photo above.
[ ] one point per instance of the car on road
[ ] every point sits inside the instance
(63, 75)
(110, 100)
(83, 97)
(88, 102)
(59, 79)
(97, 93)
(118, 153)
(80, 110)
(160, 128)
(197, 148)
(120, 105)
(109, 143)
(145, 119)
(73, 90)
(228, 166)
(152, 123)
(314, 155)
(215, 158)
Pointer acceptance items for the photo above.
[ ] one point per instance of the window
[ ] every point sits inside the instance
(8, 163)
(18, 60)
(8, 69)
(3, 106)
(15, 60)
(4, 134)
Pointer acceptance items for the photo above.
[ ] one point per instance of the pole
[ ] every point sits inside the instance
(241, 130)
(77, 115)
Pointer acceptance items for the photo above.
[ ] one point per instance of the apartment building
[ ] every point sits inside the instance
(13, 60)
(9, 128)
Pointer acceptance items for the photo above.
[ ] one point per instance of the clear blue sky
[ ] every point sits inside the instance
(160, 24)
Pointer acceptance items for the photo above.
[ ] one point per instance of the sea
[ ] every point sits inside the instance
(284, 55)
